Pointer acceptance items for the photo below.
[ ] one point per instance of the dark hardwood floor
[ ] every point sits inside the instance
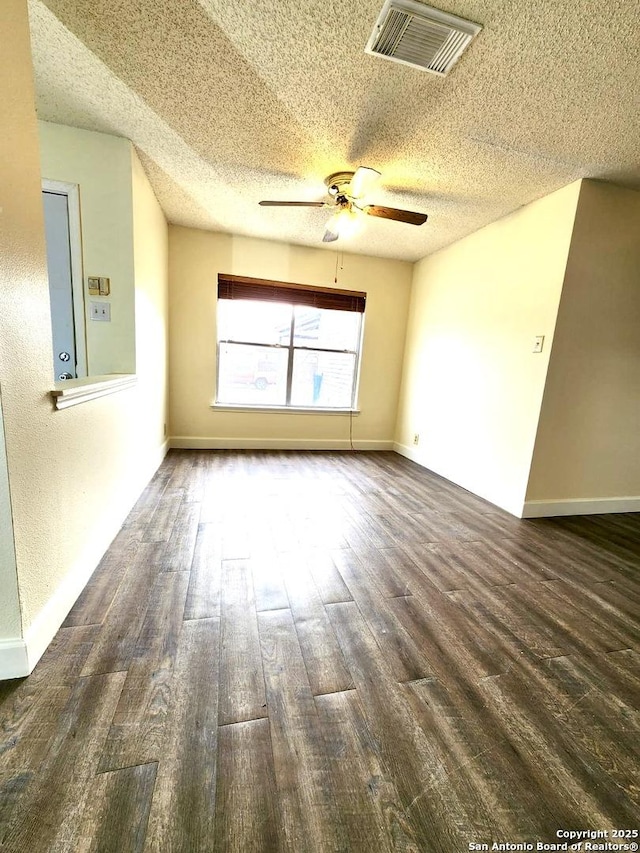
(331, 652)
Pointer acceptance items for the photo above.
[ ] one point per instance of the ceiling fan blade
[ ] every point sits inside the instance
(408, 216)
(292, 203)
(363, 181)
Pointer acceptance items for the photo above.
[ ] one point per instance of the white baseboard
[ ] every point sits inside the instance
(580, 506)
(413, 454)
(46, 624)
(14, 661)
(409, 452)
(187, 442)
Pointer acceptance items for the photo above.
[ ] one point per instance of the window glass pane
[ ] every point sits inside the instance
(317, 327)
(252, 374)
(259, 322)
(322, 378)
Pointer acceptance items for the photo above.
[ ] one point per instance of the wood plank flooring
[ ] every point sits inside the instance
(310, 652)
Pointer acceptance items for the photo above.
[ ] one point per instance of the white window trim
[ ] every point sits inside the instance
(293, 410)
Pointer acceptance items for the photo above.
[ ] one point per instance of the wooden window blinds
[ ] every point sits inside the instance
(264, 290)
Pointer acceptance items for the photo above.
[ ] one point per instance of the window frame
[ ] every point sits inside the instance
(281, 293)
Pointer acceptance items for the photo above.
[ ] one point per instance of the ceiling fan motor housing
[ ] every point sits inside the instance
(338, 181)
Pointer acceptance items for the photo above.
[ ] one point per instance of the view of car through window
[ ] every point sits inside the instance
(277, 354)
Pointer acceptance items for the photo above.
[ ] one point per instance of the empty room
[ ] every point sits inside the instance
(319, 426)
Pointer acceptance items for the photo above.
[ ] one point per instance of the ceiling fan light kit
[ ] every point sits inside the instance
(343, 223)
(345, 190)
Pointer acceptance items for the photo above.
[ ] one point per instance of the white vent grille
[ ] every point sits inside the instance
(410, 32)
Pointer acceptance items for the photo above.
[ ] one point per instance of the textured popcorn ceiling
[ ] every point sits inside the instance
(232, 102)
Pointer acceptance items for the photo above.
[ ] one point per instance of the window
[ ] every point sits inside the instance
(287, 345)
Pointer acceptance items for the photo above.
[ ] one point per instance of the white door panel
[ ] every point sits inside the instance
(56, 220)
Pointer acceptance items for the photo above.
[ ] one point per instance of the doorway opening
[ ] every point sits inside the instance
(64, 261)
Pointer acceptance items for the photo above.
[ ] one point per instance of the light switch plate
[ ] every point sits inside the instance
(100, 311)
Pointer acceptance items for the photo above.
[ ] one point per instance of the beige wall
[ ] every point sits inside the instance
(472, 387)
(101, 166)
(21, 262)
(151, 264)
(10, 624)
(588, 443)
(73, 474)
(196, 258)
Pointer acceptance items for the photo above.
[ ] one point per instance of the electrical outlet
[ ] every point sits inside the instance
(100, 311)
(416, 438)
(538, 343)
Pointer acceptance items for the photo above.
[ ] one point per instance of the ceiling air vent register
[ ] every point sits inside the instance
(410, 32)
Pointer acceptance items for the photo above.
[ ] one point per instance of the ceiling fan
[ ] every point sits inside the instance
(346, 191)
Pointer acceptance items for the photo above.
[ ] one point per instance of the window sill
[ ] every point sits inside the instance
(292, 410)
(72, 392)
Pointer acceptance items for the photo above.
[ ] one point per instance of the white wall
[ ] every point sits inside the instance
(73, 474)
(196, 258)
(472, 387)
(101, 166)
(587, 453)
